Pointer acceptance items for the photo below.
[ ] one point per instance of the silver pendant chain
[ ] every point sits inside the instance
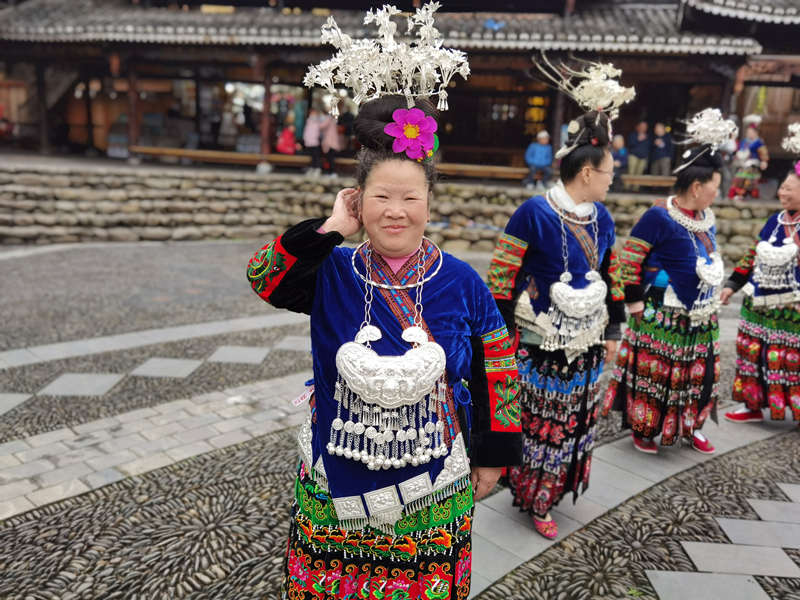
(782, 223)
(705, 224)
(565, 249)
(369, 289)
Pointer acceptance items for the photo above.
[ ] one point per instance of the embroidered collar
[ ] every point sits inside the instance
(562, 199)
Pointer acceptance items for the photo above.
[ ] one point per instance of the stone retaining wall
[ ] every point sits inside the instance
(55, 204)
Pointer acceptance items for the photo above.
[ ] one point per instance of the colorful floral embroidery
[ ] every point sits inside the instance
(745, 264)
(631, 258)
(501, 374)
(326, 562)
(269, 265)
(314, 504)
(559, 412)
(666, 375)
(615, 274)
(768, 360)
(506, 263)
(506, 405)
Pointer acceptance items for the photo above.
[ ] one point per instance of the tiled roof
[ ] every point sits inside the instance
(637, 28)
(785, 12)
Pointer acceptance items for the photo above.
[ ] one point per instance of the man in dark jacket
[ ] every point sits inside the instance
(661, 156)
(639, 145)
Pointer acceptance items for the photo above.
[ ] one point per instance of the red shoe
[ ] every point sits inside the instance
(702, 445)
(750, 416)
(548, 529)
(643, 445)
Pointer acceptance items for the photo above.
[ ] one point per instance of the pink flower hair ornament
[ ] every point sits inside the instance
(413, 133)
(797, 168)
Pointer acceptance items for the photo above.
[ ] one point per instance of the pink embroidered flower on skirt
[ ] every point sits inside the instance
(412, 131)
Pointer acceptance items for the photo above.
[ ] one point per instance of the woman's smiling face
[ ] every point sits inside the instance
(394, 207)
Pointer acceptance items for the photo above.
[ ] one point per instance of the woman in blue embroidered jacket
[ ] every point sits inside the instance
(551, 276)
(768, 341)
(666, 377)
(394, 449)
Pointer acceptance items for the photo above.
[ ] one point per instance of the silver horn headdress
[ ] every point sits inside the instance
(384, 65)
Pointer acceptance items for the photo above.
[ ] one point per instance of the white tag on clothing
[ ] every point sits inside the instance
(303, 397)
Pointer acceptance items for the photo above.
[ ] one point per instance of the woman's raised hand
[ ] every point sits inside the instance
(345, 214)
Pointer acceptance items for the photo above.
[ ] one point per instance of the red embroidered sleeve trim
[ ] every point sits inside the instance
(615, 275)
(503, 381)
(268, 267)
(745, 264)
(633, 255)
(506, 263)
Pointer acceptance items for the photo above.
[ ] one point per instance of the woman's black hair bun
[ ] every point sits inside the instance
(374, 115)
(591, 128)
(703, 157)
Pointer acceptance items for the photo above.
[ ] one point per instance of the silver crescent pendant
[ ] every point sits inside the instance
(391, 381)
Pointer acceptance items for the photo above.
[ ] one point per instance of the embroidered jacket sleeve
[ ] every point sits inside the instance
(496, 438)
(615, 296)
(743, 269)
(633, 256)
(505, 269)
(284, 271)
(496, 430)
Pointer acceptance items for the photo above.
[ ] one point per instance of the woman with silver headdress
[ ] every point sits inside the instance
(768, 343)
(413, 414)
(666, 377)
(750, 160)
(551, 278)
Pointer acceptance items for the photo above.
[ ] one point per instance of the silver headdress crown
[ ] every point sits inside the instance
(791, 143)
(594, 88)
(383, 66)
(709, 128)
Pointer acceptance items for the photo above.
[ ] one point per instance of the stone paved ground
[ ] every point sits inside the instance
(146, 440)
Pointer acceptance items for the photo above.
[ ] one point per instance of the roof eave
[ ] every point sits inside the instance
(734, 47)
(746, 15)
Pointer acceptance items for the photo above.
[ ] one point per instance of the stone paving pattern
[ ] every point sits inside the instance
(41, 413)
(670, 541)
(179, 484)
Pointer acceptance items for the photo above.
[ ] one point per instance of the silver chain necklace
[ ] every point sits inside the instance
(420, 269)
(709, 274)
(388, 406)
(774, 265)
(693, 225)
(576, 318)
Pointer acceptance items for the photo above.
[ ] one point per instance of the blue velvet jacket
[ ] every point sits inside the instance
(657, 242)
(528, 257)
(305, 271)
(743, 272)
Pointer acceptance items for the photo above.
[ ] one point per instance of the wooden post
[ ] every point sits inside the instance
(558, 118)
(133, 97)
(197, 110)
(89, 119)
(266, 146)
(44, 125)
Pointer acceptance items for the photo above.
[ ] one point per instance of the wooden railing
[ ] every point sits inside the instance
(303, 160)
(660, 181)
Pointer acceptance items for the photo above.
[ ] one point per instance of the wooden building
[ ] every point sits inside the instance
(769, 83)
(118, 73)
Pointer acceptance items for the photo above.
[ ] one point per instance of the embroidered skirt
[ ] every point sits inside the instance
(428, 557)
(666, 377)
(768, 359)
(559, 413)
(745, 182)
